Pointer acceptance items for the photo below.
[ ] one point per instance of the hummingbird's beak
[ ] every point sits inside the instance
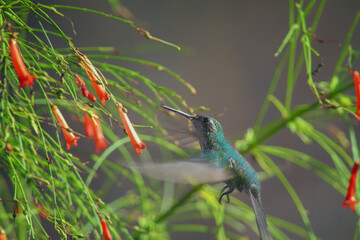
(188, 116)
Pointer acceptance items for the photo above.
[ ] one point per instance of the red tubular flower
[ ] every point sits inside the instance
(134, 138)
(105, 229)
(88, 126)
(99, 89)
(100, 142)
(350, 200)
(93, 129)
(25, 78)
(94, 77)
(69, 136)
(356, 78)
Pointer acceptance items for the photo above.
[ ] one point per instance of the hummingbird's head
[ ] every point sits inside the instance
(206, 127)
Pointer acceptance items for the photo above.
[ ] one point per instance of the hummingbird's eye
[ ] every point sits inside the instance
(206, 119)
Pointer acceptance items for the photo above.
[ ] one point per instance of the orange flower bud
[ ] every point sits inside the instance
(69, 136)
(79, 81)
(91, 97)
(105, 229)
(25, 78)
(9, 148)
(134, 138)
(191, 88)
(84, 91)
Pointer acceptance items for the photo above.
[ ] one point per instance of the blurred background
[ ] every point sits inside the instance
(228, 56)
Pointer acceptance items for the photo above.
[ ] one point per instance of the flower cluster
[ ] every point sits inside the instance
(91, 120)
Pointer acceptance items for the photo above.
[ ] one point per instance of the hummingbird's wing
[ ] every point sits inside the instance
(260, 216)
(194, 171)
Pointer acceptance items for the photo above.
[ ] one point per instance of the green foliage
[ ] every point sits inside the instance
(47, 190)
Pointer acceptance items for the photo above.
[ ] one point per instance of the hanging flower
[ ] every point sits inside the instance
(93, 129)
(105, 229)
(88, 126)
(134, 138)
(99, 89)
(94, 78)
(69, 136)
(356, 78)
(100, 142)
(350, 200)
(25, 78)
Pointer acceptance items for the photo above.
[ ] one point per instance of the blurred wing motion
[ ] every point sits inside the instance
(185, 172)
(260, 216)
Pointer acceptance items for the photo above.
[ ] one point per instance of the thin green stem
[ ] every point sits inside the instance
(302, 211)
(280, 123)
(179, 203)
(271, 90)
(353, 141)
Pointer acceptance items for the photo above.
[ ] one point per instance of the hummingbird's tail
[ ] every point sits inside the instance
(260, 216)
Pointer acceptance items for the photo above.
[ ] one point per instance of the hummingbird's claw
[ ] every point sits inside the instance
(229, 188)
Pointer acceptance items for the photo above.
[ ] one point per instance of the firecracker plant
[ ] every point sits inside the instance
(51, 100)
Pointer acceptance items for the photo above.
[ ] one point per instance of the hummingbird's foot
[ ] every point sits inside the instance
(229, 188)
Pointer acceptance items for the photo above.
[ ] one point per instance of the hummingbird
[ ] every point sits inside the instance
(218, 162)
